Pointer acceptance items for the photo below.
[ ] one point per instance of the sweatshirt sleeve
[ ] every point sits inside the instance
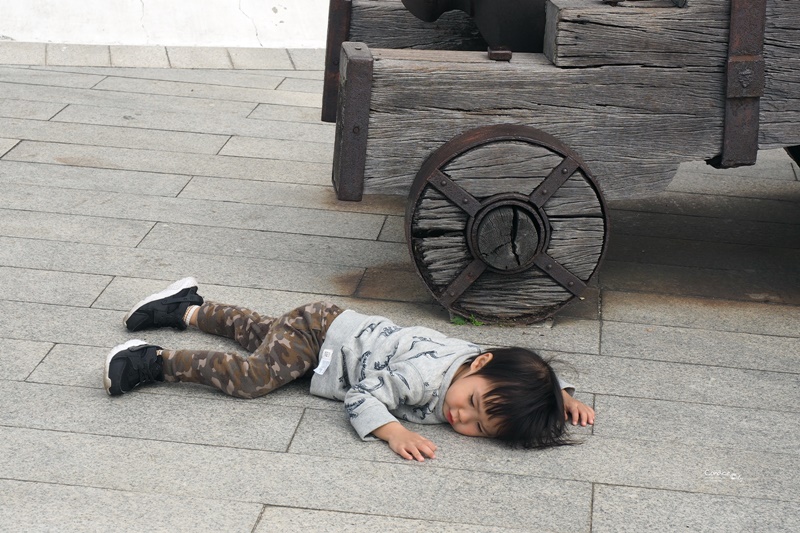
(565, 385)
(368, 402)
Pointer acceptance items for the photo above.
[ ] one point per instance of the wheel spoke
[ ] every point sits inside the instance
(557, 177)
(462, 282)
(454, 192)
(560, 275)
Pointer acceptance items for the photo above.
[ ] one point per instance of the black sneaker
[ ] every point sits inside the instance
(165, 308)
(132, 364)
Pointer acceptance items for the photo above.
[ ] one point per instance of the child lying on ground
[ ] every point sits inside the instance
(382, 372)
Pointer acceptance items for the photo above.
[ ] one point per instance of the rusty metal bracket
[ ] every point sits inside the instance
(352, 121)
(463, 282)
(454, 193)
(745, 83)
(561, 275)
(557, 177)
(340, 14)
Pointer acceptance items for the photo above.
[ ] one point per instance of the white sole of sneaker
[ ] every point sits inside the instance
(114, 351)
(175, 288)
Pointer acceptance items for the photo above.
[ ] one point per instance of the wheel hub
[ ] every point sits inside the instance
(508, 233)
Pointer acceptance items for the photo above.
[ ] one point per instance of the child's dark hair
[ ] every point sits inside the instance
(525, 398)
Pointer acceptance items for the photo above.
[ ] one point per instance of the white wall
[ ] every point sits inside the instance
(249, 23)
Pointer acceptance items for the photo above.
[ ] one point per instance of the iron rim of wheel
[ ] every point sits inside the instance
(522, 260)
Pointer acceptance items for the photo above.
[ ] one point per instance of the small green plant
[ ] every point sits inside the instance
(461, 321)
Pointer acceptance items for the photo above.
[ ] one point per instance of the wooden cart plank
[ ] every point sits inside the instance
(633, 125)
(586, 33)
(388, 24)
(780, 105)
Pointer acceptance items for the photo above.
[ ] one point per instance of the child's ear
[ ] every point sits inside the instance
(480, 361)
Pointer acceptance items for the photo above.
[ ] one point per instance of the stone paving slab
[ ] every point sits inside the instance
(227, 77)
(48, 78)
(308, 58)
(18, 358)
(689, 204)
(622, 509)
(28, 109)
(65, 95)
(211, 92)
(139, 56)
(679, 382)
(167, 162)
(301, 85)
(221, 123)
(7, 144)
(44, 286)
(92, 179)
(696, 254)
(285, 194)
(709, 314)
(597, 460)
(21, 53)
(767, 428)
(15, 53)
(123, 292)
(249, 272)
(394, 230)
(72, 365)
(17, 222)
(146, 209)
(78, 54)
(190, 57)
(46, 507)
(223, 78)
(771, 164)
(149, 139)
(761, 186)
(396, 282)
(98, 327)
(701, 346)
(300, 74)
(289, 519)
(271, 245)
(286, 113)
(728, 230)
(310, 152)
(777, 286)
(259, 476)
(254, 58)
(240, 425)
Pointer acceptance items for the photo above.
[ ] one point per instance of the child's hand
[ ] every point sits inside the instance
(578, 411)
(406, 443)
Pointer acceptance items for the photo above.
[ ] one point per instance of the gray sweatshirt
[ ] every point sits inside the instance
(383, 372)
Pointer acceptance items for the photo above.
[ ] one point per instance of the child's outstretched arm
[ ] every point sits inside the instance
(578, 411)
(404, 442)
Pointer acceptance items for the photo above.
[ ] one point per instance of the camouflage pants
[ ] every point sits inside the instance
(283, 349)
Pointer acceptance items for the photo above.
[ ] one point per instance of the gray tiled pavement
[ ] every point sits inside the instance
(120, 174)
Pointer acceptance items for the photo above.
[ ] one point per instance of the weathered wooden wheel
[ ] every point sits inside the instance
(505, 224)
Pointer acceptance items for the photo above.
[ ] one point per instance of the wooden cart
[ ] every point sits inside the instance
(507, 164)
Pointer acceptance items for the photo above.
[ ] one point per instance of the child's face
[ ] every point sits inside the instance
(464, 406)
